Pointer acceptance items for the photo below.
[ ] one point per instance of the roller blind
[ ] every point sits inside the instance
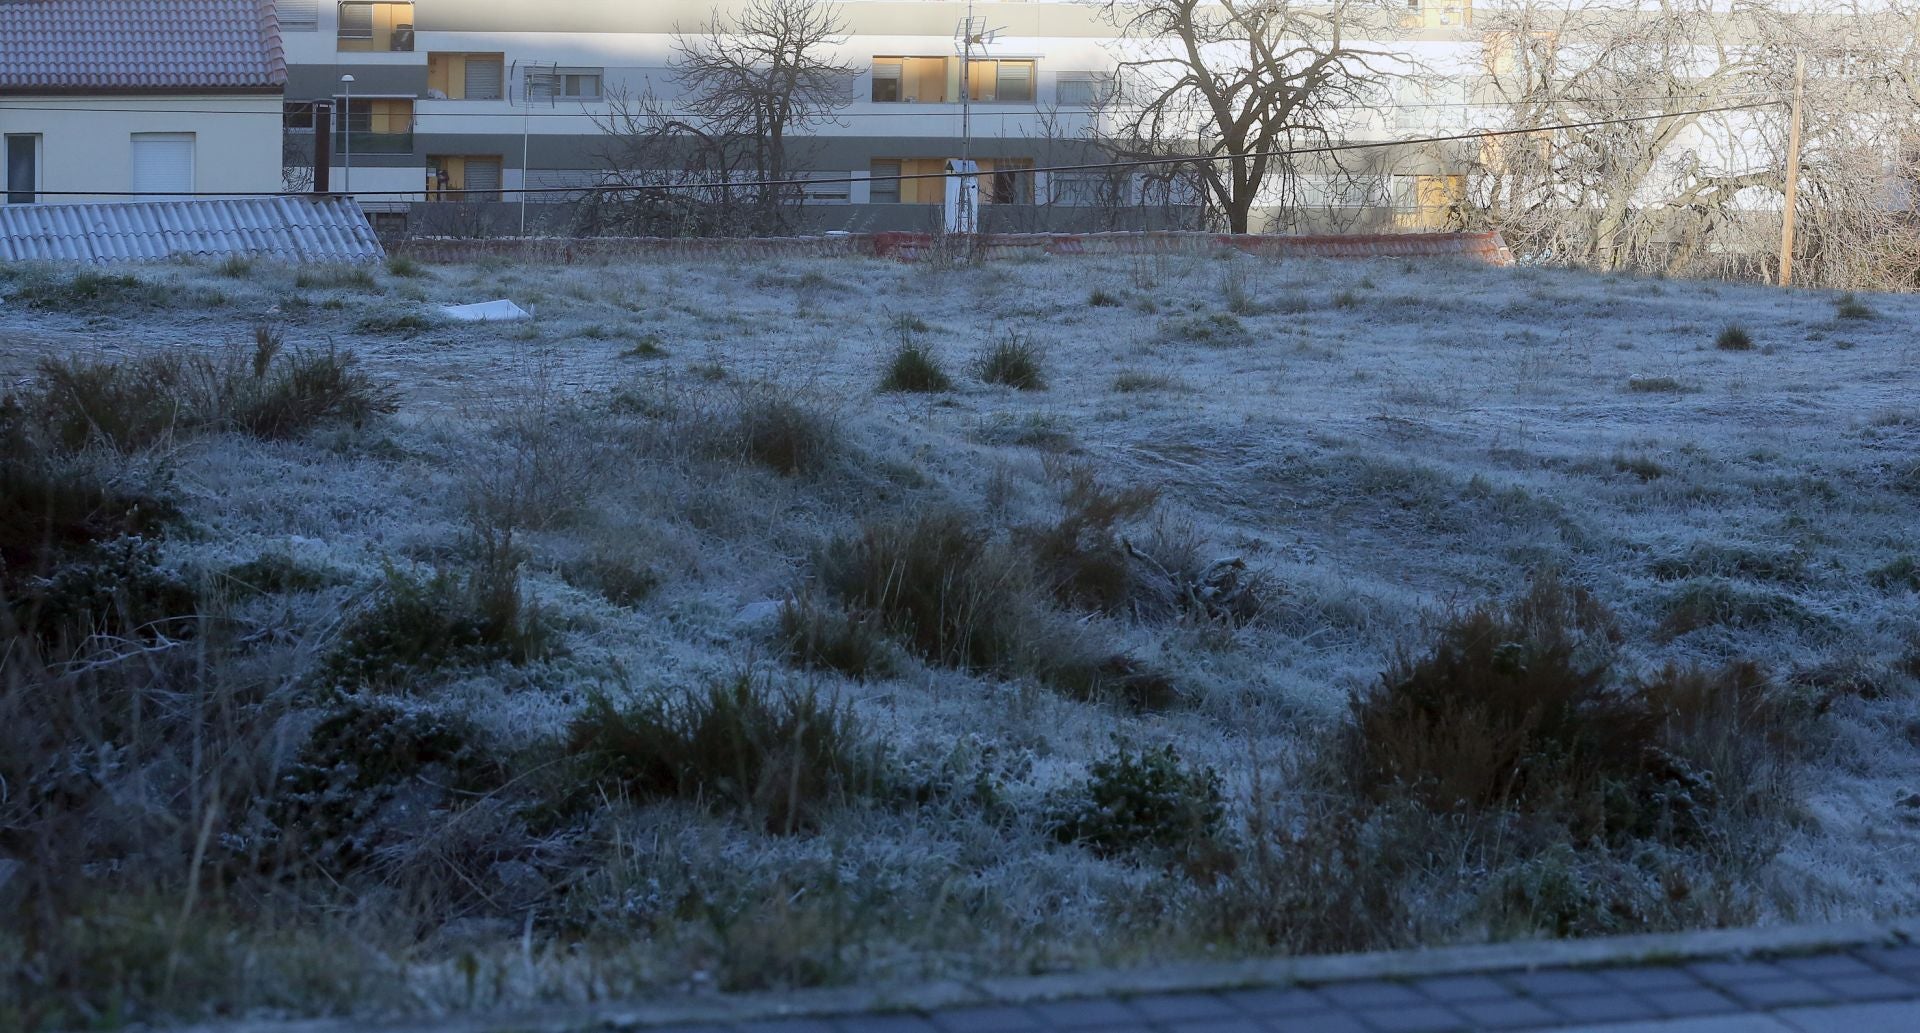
(162, 163)
(299, 15)
(484, 76)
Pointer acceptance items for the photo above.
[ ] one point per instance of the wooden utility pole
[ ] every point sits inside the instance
(1793, 171)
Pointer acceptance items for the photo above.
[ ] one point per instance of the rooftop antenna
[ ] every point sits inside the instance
(973, 32)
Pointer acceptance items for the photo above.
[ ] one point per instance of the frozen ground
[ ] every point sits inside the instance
(1387, 442)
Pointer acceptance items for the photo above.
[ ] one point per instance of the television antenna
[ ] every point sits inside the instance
(971, 34)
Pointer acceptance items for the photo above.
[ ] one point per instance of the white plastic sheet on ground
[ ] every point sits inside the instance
(486, 312)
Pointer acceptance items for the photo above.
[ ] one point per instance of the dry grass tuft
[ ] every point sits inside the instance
(914, 367)
(1015, 361)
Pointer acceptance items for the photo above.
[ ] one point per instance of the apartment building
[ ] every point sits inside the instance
(477, 99)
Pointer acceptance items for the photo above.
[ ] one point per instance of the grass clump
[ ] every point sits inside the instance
(1734, 338)
(1133, 381)
(401, 323)
(1099, 298)
(1220, 329)
(235, 267)
(277, 573)
(1656, 385)
(1081, 556)
(90, 290)
(1900, 573)
(1716, 601)
(779, 757)
(1849, 307)
(914, 367)
(406, 266)
(336, 277)
(646, 346)
(823, 639)
(417, 627)
(310, 388)
(1145, 800)
(1015, 361)
(936, 583)
(773, 428)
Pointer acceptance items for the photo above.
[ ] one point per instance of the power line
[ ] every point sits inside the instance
(1131, 163)
(918, 110)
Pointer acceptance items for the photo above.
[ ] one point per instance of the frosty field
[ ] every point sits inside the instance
(662, 490)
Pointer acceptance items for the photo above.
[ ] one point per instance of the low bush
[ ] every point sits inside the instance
(821, 638)
(1849, 307)
(401, 323)
(335, 277)
(1713, 601)
(646, 346)
(1133, 381)
(1081, 557)
(277, 573)
(780, 757)
(774, 428)
(115, 589)
(415, 627)
(1656, 385)
(1015, 361)
(370, 767)
(1145, 800)
(310, 389)
(914, 367)
(1221, 329)
(1734, 338)
(938, 584)
(404, 265)
(89, 291)
(124, 405)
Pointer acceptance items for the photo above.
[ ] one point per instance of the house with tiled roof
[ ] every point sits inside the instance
(100, 99)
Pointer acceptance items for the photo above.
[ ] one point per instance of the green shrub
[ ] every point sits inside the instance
(416, 627)
(1734, 338)
(819, 638)
(124, 405)
(1146, 800)
(1221, 329)
(310, 389)
(1015, 361)
(915, 368)
(781, 757)
(116, 588)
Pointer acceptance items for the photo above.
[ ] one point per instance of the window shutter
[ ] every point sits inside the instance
(887, 69)
(884, 191)
(356, 21)
(483, 79)
(483, 179)
(1015, 81)
(299, 15)
(162, 163)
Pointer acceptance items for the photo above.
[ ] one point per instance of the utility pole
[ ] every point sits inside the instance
(1793, 171)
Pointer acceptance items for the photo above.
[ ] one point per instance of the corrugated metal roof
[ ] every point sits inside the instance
(73, 45)
(292, 229)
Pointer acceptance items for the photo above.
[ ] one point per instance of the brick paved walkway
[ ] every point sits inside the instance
(1865, 990)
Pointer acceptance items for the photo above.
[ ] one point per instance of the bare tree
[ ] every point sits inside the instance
(1234, 79)
(747, 84)
(1646, 193)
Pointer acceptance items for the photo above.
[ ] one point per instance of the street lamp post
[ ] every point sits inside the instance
(346, 135)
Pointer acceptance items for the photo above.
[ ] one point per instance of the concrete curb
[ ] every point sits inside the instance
(1652, 948)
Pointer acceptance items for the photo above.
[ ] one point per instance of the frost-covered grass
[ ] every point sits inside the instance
(1231, 494)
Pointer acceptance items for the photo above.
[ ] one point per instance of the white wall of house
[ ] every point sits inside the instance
(87, 143)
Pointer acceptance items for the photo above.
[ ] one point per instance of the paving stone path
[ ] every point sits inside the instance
(1863, 990)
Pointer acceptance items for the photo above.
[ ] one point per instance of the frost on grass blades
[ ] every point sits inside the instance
(718, 624)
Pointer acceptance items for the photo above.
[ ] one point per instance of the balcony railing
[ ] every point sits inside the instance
(373, 143)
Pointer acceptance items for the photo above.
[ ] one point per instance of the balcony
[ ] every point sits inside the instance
(375, 28)
(373, 143)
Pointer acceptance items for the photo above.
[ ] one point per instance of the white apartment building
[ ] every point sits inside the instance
(486, 97)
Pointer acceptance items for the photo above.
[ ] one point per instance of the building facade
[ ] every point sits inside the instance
(474, 100)
(158, 98)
